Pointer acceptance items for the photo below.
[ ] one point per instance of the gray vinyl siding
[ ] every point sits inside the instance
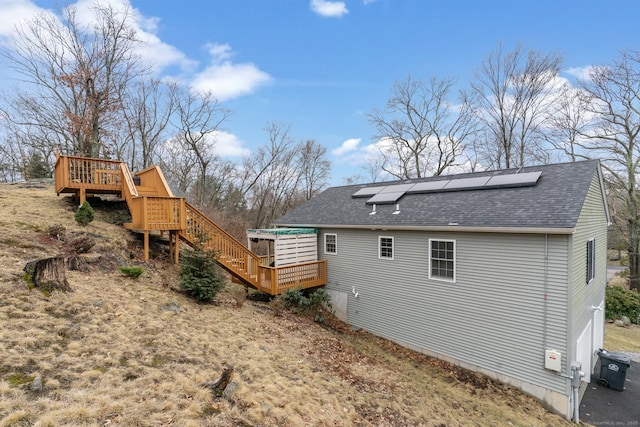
(592, 223)
(491, 317)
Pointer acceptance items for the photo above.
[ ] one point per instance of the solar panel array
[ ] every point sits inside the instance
(388, 194)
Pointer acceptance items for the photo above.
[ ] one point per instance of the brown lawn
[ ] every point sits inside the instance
(111, 353)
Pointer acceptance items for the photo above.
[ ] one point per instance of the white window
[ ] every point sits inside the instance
(442, 258)
(331, 243)
(385, 247)
(591, 260)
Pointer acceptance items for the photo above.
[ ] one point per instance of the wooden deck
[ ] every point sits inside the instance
(154, 208)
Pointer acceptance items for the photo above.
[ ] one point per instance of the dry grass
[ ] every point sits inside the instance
(617, 338)
(110, 353)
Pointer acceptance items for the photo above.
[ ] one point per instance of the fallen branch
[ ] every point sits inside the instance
(217, 387)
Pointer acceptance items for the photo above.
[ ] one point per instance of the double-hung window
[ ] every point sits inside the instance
(385, 247)
(591, 260)
(442, 259)
(331, 243)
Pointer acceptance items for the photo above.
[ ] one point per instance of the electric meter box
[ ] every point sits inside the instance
(553, 360)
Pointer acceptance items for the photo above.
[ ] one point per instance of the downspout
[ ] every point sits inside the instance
(546, 284)
(576, 374)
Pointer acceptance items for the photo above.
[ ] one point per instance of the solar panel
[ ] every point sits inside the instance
(368, 191)
(514, 179)
(385, 198)
(466, 183)
(398, 188)
(426, 187)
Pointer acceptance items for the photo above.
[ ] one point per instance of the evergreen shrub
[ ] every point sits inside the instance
(314, 305)
(200, 276)
(622, 302)
(85, 214)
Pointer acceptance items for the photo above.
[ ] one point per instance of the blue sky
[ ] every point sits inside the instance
(320, 65)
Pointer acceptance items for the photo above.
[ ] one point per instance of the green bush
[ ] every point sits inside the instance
(622, 302)
(133, 272)
(85, 214)
(200, 277)
(315, 305)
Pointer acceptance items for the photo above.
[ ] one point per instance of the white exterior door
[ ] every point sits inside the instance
(584, 351)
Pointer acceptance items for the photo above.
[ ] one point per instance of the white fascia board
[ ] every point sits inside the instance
(450, 228)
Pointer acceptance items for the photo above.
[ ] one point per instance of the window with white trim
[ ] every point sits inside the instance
(331, 243)
(442, 260)
(591, 260)
(385, 247)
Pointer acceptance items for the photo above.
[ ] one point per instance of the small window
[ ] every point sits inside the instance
(385, 247)
(331, 243)
(442, 260)
(591, 260)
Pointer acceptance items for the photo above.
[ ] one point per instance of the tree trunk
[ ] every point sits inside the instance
(47, 274)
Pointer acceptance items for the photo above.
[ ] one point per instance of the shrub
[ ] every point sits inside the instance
(85, 214)
(314, 305)
(622, 302)
(57, 231)
(133, 272)
(238, 293)
(200, 277)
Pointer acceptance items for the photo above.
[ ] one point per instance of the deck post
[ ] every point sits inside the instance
(83, 196)
(274, 282)
(171, 247)
(176, 247)
(146, 245)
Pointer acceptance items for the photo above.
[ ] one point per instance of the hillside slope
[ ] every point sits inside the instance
(118, 351)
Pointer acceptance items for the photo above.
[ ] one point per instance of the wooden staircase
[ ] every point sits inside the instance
(154, 208)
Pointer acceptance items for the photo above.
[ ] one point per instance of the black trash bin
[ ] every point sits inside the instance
(613, 369)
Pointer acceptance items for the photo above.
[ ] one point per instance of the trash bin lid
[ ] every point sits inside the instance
(615, 356)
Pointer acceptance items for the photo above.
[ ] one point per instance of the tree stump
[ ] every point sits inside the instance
(47, 274)
(217, 387)
(77, 263)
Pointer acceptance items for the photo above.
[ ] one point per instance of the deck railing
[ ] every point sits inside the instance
(86, 173)
(232, 254)
(157, 213)
(82, 175)
(276, 280)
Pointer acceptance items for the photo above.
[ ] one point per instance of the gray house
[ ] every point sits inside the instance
(501, 272)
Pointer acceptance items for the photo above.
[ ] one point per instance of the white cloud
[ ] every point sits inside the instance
(329, 9)
(229, 145)
(347, 146)
(227, 80)
(14, 12)
(154, 51)
(583, 73)
(219, 51)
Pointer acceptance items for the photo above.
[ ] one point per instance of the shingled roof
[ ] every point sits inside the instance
(550, 203)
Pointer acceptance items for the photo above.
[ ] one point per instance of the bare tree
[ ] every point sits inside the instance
(198, 118)
(421, 132)
(178, 165)
(148, 107)
(611, 132)
(512, 93)
(73, 76)
(566, 121)
(270, 178)
(313, 166)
